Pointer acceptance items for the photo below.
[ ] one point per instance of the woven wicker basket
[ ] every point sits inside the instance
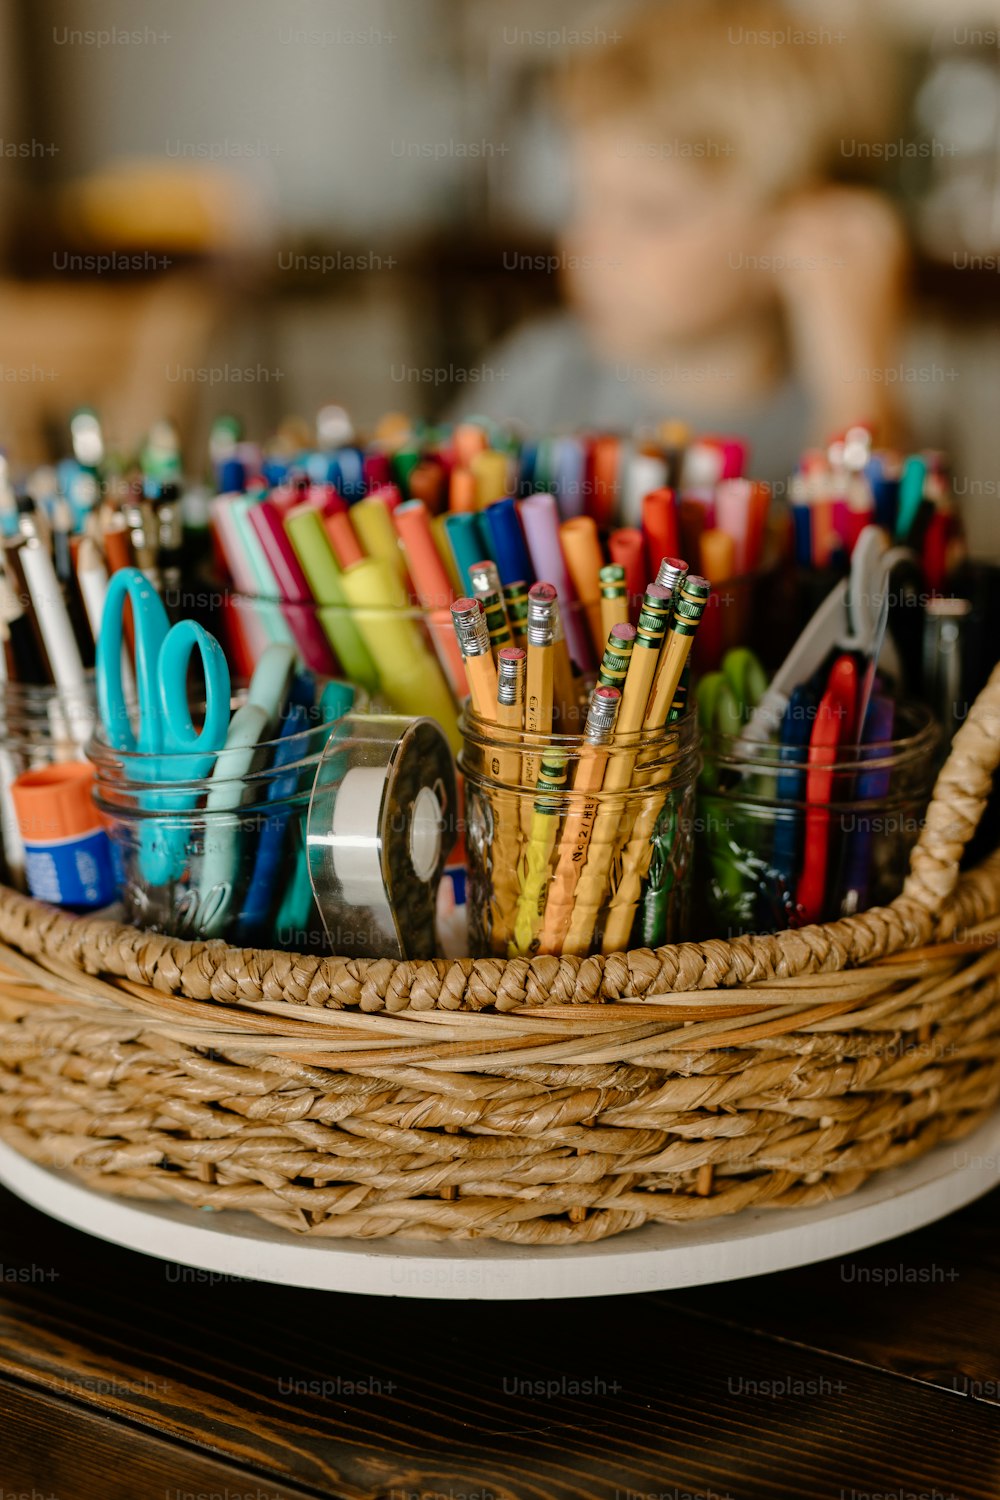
(542, 1102)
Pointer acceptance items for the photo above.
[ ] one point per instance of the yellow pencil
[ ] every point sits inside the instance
(649, 636)
(536, 870)
(505, 767)
(484, 580)
(604, 709)
(474, 642)
(511, 662)
(540, 667)
(689, 606)
(539, 676)
(617, 655)
(614, 597)
(611, 827)
(688, 611)
(564, 700)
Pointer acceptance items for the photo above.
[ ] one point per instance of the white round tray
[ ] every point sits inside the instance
(650, 1259)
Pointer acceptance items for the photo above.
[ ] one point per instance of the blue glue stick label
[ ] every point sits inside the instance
(75, 871)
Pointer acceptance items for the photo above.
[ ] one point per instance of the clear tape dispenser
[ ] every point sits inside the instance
(382, 822)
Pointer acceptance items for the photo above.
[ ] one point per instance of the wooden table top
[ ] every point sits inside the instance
(876, 1375)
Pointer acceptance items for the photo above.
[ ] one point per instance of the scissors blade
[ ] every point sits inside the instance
(806, 657)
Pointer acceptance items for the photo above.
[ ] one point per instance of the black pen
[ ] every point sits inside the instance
(23, 649)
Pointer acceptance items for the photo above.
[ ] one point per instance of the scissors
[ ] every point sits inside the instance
(727, 698)
(847, 620)
(167, 745)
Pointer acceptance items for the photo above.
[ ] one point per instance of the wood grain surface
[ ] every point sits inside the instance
(125, 1376)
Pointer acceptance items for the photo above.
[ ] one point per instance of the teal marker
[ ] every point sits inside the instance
(911, 493)
(469, 545)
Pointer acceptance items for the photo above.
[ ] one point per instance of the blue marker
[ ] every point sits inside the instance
(872, 788)
(232, 476)
(509, 549)
(796, 728)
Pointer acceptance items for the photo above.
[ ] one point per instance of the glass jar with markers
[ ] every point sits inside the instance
(815, 783)
(807, 827)
(206, 805)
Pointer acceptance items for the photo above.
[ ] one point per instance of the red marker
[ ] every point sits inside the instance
(627, 548)
(836, 725)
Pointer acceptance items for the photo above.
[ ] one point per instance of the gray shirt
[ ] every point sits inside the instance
(545, 377)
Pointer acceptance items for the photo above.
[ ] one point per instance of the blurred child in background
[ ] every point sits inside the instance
(722, 261)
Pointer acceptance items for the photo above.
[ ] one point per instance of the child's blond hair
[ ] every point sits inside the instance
(783, 94)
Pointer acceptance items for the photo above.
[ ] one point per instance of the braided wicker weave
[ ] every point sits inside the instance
(542, 1102)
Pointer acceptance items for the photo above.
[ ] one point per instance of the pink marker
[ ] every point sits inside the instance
(732, 515)
(297, 603)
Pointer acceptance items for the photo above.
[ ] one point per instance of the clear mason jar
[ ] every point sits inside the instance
(218, 856)
(577, 848)
(770, 856)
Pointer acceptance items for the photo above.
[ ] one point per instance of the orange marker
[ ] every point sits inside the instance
(430, 577)
(343, 539)
(468, 439)
(603, 466)
(463, 493)
(659, 524)
(718, 555)
(429, 482)
(432, 587)
(584, 560)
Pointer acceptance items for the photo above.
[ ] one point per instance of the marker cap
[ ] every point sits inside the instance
(55, 802)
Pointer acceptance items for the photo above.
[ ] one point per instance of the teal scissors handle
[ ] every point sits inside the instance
(162, 657)
(150, 629)
(168, 747)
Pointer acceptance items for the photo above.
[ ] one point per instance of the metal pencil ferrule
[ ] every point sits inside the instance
(485, 581)
(671, 573)
(602, 714)
(471, 628)
(612, 580)
(542, 620)
(510, 680)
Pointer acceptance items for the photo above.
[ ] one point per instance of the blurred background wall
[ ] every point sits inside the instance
(322, 194)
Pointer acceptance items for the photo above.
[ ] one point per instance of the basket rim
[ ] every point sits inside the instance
(937, 904)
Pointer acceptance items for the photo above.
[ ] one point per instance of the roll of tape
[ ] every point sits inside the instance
(382, 822)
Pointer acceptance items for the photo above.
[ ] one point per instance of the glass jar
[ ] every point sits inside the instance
(39, 726)
(573, 847)
(770, 857)
(222, 856)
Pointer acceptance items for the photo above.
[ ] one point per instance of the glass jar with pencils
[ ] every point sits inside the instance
(788, 834)
(577, 845)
